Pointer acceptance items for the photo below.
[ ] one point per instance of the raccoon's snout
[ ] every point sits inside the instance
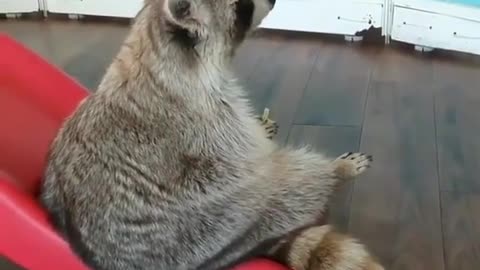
(272, 2)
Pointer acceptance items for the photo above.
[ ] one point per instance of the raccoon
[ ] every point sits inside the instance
(166, 165)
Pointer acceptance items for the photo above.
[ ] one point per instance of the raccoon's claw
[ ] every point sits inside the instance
(350, 165)
(270, 126)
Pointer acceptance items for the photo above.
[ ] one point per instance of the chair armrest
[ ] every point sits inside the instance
(27, 238)
(40, 96)
(260, 264)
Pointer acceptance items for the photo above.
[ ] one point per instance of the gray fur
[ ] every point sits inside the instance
(166, 166)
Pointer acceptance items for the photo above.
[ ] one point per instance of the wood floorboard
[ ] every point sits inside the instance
(458, 131)
(457, 104)
(82, 50)
(402, 64)
(100, 51)
(279, 80)
(32, 34)
(395, 206)
(461, 225)
(336, 92)
(332, 142)
(253, 52)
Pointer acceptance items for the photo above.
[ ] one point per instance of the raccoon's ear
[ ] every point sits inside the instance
(187, 13)
(178, 10)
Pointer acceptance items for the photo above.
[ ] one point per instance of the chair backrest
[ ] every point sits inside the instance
(35, 98)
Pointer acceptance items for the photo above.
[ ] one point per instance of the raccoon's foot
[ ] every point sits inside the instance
(322, 248)
(350, 165)
(270, 126)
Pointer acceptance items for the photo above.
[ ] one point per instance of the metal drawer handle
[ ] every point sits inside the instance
(455, 34)
(418, 25)
(369, 21)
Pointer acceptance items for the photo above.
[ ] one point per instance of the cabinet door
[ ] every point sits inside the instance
(113, 8)
(436, 30)
(18, 6)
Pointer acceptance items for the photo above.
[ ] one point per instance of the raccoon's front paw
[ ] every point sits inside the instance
(350, 165)
(270, 126)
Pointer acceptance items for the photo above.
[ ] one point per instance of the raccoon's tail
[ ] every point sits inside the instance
(322, 248)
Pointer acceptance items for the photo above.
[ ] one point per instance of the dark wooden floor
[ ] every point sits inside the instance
(418, 208)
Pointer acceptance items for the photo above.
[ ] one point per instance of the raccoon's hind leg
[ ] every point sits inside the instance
(270, 126)
(322, 248)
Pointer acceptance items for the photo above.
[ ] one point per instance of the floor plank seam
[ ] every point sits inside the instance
(326, 125)
(359, 144)
(437, 159)
(292, 124)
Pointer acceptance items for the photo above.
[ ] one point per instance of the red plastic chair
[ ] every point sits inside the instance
(35, 98)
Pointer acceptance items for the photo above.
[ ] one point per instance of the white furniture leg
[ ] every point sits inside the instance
(350, 38)
(75, 17)
(423, 49)
(13, 15)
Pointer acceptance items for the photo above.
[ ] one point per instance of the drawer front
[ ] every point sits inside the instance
(127, 8)
(339, 17)
(435, 30)
(18, 6)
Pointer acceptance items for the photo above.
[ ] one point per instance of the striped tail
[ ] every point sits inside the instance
(322, 248)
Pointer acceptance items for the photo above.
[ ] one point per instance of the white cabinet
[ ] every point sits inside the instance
(437, 24)
(18, 6)
(346, 17)
(444, 24)
(113, 8)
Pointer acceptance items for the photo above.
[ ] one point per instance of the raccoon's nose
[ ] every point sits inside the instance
(272, 2)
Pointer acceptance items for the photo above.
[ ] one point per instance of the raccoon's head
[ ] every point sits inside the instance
(224, 21)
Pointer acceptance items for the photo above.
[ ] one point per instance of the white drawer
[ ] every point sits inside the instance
(18, 6)
(436, 30)
(339, 17)
(113, 8)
